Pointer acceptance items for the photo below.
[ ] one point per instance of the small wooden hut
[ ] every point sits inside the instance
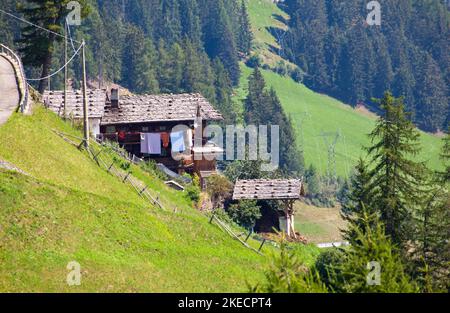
(285, 190)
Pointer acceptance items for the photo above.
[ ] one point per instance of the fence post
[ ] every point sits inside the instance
(212, 217)
(143, 190)
(260, 247)
(126, 177)
(249, 234)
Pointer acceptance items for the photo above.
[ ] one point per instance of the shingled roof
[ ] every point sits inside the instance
(268, 189)
(157, 108)
(54, 100)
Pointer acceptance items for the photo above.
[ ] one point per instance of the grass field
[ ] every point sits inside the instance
(314, 114)
(319, 225)
(69, 209)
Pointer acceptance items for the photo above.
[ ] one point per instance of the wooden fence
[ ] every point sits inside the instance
(98, 153)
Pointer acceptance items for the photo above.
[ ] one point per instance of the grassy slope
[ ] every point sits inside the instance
(323, 114)
(72, 210)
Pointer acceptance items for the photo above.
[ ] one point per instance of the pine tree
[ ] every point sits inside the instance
(138, 70)
(220, 39)
(245, 35)
(359, 199)
(433, 108)
(37, 44)
(224, 90)
(368, 249)
(312, 181)
(263, 107)
(445, 156)
(288, 275)
(190, 21)
(256, 98)
(396, 179)
(432, 252)
(292, 161)
(432, 248)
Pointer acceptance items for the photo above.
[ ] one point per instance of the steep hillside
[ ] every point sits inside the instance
(69, 209)
(312, 113)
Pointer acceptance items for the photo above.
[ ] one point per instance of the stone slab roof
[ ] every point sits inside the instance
(157, 108)
(268, 189)
(54, 100)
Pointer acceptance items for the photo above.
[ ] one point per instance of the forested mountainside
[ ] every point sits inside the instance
(346, 58)
(152, 46)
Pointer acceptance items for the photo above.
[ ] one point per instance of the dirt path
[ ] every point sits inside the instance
(9, 92)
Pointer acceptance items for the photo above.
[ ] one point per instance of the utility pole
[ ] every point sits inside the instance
(65, 70)
(85, 102)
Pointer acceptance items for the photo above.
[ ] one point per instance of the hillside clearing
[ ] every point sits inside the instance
(314, 114)
(69, 209)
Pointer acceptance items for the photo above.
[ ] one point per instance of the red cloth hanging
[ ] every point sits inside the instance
(165, 137)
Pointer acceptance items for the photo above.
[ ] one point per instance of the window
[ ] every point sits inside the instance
(110, 129)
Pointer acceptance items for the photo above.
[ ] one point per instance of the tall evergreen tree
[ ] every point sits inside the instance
(432, 251)
(139, 74)
(445, 156)
(359, 199)
(397, 180)
(244, 35)
(38, 44)
(220, 40)
(224, 90)
(370, 244)
(262, 107)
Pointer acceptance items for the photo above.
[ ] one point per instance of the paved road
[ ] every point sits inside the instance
(9, 92)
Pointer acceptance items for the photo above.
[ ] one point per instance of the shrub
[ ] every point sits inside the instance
(245, 213)
(327, 266)
(288, 275)
(370, 244)
(297, 75)
(219, 188)
(193, 191)
(254, 61)
(151, 167)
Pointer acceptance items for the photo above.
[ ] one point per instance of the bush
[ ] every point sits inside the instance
(151, 167)
(288, 275)
(245, 213)
(327, 266)
(219, 189)
(368, 245)
(193, 191)
(297, 75)
(281, 68)
(254, 61)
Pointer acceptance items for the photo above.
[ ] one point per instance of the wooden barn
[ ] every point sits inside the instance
(287, 191)
(143, 125)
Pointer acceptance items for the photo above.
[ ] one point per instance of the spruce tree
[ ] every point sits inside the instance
(445, 156)
(431, 257)
(359, 199)
(369, 248)
(220, 40)
(432, 251)
(245, 35)
(38, 44)
(262, 107)
(224, 89)
(396, 179)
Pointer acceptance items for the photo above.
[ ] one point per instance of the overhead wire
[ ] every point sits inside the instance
(53, 74)
(76, 51)
(37, 26)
